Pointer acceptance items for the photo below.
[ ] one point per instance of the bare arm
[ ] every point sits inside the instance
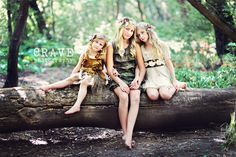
(78, 66)
(170, 67)
(141, 70)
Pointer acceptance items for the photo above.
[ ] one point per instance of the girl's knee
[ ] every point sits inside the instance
(166, 96)
(135, 99)
(153, 96)
(70, 79)
(123, 97)
(86, 81)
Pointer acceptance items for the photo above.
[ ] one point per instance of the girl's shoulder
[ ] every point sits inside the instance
(136, 45)
(83, 54)
(110, 44)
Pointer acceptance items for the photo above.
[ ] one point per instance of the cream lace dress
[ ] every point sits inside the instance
(157, 74)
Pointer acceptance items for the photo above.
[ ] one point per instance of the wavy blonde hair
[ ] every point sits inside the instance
(100, 37)
(152, 38)
(124, 22)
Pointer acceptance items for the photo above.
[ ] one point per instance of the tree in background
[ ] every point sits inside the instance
(12, 70)
(40, 19)
(222, 19)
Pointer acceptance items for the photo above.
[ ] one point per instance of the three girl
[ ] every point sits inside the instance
(87, 72)
(126, 68)
(123, 55)
(160, 76)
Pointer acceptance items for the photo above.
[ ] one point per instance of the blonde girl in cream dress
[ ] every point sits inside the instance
(160, 75)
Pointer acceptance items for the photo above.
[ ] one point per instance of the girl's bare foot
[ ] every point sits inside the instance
(124, 137)
(182, 85)
(45, 88)
(73, 109)
(128, 144)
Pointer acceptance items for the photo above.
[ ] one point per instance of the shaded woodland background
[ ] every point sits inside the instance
(37, 34)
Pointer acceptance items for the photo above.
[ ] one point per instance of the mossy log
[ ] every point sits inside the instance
(31, 108)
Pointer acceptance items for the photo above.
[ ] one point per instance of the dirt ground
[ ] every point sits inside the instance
(78, 141)
(70, 142)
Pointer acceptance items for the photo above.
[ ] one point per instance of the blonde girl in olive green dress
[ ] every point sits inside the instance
(123, 55)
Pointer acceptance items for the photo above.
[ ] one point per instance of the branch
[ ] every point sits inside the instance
(231, 33)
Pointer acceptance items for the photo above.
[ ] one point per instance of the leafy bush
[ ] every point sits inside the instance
(223, 77)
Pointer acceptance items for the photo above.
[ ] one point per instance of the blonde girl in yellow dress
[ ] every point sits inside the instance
(87, 72)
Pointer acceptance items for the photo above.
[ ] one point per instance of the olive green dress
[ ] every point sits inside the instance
(125, 65)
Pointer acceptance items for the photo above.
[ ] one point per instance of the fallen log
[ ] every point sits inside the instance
(30, 108)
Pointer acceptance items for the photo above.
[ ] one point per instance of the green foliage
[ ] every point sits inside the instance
(72, 22)
(34, 55)
(232, 47)
(223, 77)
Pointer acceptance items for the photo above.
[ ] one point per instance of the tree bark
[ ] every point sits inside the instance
(222, 40)
(31, 108)
(9, 19)
(224, 28)
(117, 8)
(140, 10)
(12, 70)
(39, 18)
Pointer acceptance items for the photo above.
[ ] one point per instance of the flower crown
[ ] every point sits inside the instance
(149, 27)
(97, 35)
(125, 21)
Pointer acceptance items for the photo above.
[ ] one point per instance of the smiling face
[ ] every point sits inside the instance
(128, 31)
(98, 44)
(142, 35)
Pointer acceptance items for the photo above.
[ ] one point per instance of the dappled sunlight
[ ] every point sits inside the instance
(103, 134)
(79, 48)
(175, 45)
(38, 141)
(22, 93)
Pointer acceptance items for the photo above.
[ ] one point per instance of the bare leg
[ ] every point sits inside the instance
(152, 93)
(132, 116)
(166, 93)
(123, 109)
(60, 84)
(81, 95)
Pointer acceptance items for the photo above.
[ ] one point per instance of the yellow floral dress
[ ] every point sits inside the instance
(91, 67)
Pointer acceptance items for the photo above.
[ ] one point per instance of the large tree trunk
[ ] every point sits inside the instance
(12, 71)
(221, 11)
(9, 19)
(30, 108)
(224, 28)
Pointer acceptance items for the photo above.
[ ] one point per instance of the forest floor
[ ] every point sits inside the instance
(78, 141)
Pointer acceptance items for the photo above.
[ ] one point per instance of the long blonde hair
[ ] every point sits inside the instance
(101, 37)
(152, 38)
(124, 22)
